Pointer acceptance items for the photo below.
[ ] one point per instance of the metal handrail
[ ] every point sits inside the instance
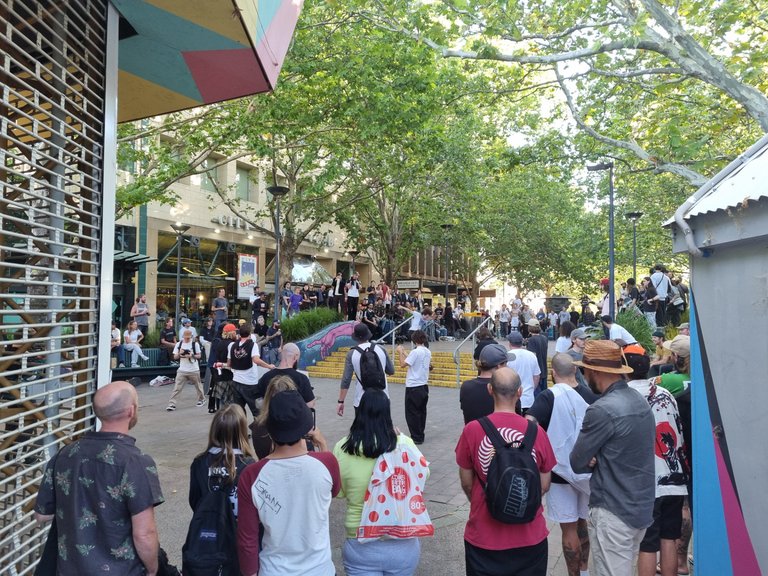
(392, 332)
(456, 354)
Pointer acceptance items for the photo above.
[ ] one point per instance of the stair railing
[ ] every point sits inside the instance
(392, 333)
(457, 354)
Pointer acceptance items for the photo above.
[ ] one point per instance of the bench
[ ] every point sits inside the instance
(151, 367)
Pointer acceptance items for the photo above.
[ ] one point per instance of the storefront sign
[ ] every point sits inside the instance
(408, 284)
(231, 221)
(247, 275)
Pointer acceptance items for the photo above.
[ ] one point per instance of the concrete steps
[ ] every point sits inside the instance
(443, 373)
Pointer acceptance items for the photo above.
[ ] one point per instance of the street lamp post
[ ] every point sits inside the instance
(180, 230)
(446, 228)
(277, 193)
(611, 248)
(634, 216)
(353, 254)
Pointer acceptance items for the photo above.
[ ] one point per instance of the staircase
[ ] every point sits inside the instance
(443, 373)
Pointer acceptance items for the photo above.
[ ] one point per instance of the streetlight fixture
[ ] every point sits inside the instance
(446, 229)
(611, 249)
(180, 230)
(634, 216)
(277, 193)
(353, 254)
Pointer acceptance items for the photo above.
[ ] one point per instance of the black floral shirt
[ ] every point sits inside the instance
(94, 486)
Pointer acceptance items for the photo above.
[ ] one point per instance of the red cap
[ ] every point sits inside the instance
(604, 282)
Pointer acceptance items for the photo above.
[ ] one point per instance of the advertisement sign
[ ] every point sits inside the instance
(247, 275)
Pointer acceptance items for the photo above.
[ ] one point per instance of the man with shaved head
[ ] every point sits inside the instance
(491, 547)
(102, 490)
(289, 361)
(560, 411)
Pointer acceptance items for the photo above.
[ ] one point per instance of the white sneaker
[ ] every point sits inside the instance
(145, 358)
(200, 403)
(170, 408)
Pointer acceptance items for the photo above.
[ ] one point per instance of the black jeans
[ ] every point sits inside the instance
(245, 395)
(352, 302)
(525, 561)
(416, 398)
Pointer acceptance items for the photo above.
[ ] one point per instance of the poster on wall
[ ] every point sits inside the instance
(247, 275)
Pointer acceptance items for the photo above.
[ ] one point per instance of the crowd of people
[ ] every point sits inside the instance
(606, 427)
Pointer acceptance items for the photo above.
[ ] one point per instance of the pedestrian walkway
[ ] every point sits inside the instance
(173, 439)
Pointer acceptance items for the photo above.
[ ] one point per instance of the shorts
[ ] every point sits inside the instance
(667, 522)
(566, 504)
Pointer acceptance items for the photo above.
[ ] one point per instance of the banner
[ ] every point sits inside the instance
(247, 275)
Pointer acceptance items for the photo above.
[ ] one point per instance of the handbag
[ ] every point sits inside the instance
(394, 506)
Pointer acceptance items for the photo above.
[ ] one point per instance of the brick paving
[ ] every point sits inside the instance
(174, 438)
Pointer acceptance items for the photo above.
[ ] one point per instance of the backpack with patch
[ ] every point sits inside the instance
(240, 354)
(513, 484)
(371, 371)
(211, 545)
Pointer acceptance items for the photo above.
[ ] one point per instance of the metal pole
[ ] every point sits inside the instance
(277, 260)
(634, 249)
(178, 278)
(611, 258)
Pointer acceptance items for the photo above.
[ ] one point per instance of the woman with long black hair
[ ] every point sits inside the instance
(371, 436)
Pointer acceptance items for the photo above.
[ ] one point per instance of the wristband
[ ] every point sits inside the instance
(340, 401)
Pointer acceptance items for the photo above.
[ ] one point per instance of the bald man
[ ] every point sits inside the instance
(491, 547)
(289, 361)
(103, 491)
(560, 411)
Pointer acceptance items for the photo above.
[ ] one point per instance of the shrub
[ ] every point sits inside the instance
(307, 323)
(151, 340)
(636, 324)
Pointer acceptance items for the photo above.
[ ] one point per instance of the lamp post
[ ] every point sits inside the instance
(353, 254)
(180, 230)
(611, 272)
(446, 228)
(634, 216)
(277, 193)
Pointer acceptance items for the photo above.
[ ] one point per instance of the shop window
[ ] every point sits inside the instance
(243, 184)
(210, 177)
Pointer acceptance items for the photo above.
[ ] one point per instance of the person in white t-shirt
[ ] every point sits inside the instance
(417, 362)
(526, 364)
(187, 353)
(243, 358)
(361, 335)
(617, 332)
(116, 346)
(132, 338)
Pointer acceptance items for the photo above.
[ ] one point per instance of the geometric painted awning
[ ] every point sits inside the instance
(178, 54)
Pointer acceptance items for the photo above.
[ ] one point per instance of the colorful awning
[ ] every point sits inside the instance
(178, 54)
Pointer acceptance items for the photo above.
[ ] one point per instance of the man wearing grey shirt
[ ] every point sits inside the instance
(219, 309)
(616, 444)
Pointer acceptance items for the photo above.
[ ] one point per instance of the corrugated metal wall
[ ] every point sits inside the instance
(52, 85)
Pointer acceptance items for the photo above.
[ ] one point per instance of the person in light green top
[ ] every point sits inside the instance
(371, 435)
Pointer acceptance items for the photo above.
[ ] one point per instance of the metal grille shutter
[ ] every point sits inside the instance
(52, 85)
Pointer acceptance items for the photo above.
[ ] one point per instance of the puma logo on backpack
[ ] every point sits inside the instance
(513, 484)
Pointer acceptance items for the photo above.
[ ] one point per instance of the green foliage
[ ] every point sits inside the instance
(306, 323)
(152, 339)
(636, 324)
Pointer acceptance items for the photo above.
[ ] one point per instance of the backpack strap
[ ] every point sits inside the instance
(530, 436)
(493, 433)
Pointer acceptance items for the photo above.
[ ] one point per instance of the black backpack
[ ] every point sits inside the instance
(211, 545)
(371, 371)
(513, 483)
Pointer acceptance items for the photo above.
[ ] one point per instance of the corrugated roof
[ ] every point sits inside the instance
(735, 185)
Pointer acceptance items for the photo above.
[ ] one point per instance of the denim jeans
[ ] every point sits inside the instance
(395, 557)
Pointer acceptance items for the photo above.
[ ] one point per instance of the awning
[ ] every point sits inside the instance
(178, 54)
(131, 259)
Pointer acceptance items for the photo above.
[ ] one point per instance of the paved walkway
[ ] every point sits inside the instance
(174, 438)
